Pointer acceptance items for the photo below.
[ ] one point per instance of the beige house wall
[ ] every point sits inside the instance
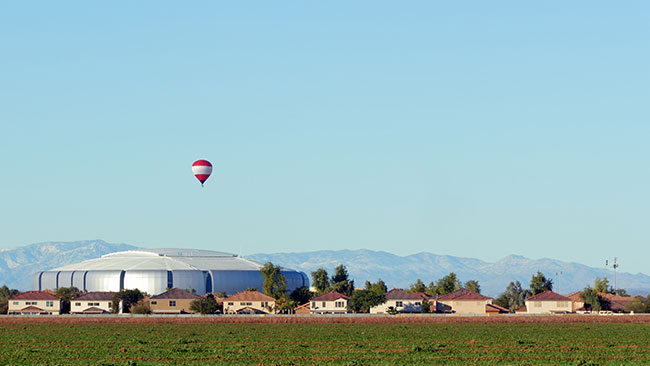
(339, 306)
(15, 306)
(545, 307)
(464, 306)
(170, 305)
(407, 306)
(80, 306)
(231, 307)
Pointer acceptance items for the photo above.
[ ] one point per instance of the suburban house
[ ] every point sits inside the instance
(92, 303)
(303, 309)
(174, 301)
(616, 303)
(34, 302)
(249, 302)
(548, 302)
(577, 303)
(463, 301)
(330, 303)
(400, 301)
(493, 309)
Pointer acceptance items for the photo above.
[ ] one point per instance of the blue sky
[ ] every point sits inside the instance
(470, 129)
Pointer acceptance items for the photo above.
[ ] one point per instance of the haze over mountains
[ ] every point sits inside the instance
(18, 265)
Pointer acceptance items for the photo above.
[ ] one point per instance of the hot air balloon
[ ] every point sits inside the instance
(202, 170)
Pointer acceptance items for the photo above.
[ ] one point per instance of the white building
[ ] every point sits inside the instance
(548, 302)
(93, 303)
(34, 302)
(249, 302)
(330, 303)
(402, 302)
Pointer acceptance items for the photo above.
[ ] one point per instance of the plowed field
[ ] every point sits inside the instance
(171, 341)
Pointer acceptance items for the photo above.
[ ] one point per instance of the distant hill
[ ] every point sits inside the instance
(17, 266)
(398, 271)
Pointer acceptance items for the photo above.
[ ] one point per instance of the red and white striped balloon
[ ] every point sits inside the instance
(202, 170)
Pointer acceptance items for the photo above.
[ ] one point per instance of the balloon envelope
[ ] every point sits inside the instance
(202, 170)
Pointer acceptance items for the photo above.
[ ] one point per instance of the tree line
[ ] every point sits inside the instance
(360, 300)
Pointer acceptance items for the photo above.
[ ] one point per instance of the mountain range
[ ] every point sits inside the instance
(18, 265)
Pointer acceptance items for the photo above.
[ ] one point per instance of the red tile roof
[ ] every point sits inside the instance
(32, 309)
(462, 295)
(94, 310)
(249, 296)
(576, 296)
(34, 295)
(304, 306)
(397, 294)
(548, 295)
(98, 296)
(176, 294)
(330, 296)
(493, 308)
(617, 298)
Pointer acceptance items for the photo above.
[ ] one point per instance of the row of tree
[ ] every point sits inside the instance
(361, 300)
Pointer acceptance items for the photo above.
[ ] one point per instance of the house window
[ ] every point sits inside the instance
(16, 303)
(538, 304)
(31, 303)
(109, 304)
(231, 303)
(324, 304)
(562, 304)
(399, 304)
(313, 304)
(340, 304)
(77, 304)
(93, 304)
(49, 303)
(172, 303)
(154, 303)
(417, 303)
(265, 304)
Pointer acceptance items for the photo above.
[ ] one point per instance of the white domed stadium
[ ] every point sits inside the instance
(156, 270)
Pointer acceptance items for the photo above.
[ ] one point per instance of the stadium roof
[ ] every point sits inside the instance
(165, 259)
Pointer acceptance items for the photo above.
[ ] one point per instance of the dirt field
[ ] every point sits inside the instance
(317, 319)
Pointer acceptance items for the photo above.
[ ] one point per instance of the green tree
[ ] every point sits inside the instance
(321, 280)
(285, 305)
(426, 306)
(301, 295)
(638, 306)
(66, 294)
(205, 305)
(473, 285)
(418, 286)
(252, 289)
(513, 297)
(5, 294)
(602, 285)
(448, 284)
(378, 287)
(620, 292)
(362, 300)
(341, 282)
(141, 308)
(128, 298)
(220, 294)
(593, 300)
(539, 283)
(275, 283)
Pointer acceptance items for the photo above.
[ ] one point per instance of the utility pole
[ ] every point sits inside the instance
(614, 266)
(557, 288)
